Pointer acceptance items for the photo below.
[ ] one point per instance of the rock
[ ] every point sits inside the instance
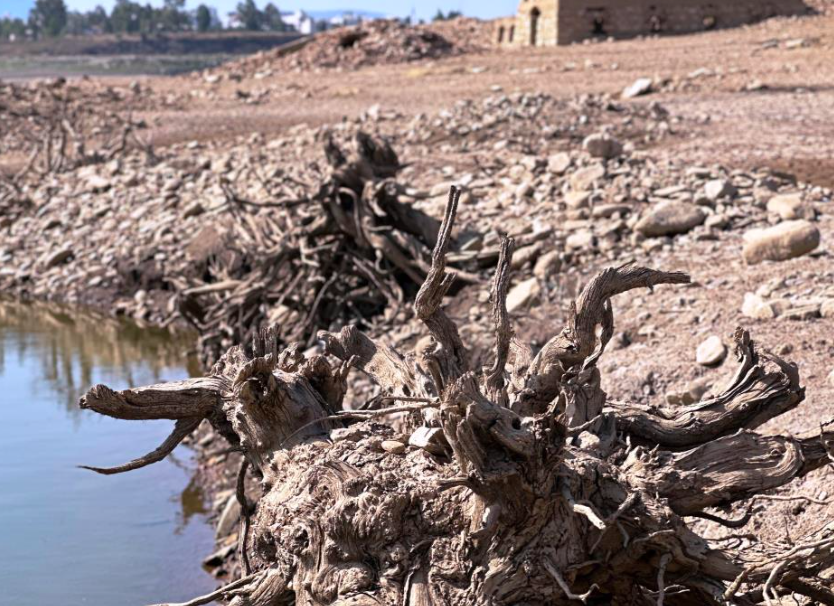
(641, 86)
(581, 240)
(98, 184)
(584, 178)
(781, 242)
(803, 312)
(577, 199)
(756, 307)
(719, 188)
(523, 294)
(602, 145)
(228, 519)
(219, 556)
(430, 439)
(693, 392)
(195, 210)
(831, 378)
(711, 352)
(59, 257)
(789, 207)
(558, 163)
(827, 308)
(669, 218)
(393, 446)
(548, 265)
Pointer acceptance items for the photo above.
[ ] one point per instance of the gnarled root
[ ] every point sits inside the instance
(537, 493)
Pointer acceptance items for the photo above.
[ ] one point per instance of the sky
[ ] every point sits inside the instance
(424, 9)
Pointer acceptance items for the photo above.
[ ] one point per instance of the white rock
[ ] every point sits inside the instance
(584, 178)
(577, 199)
(558, 163)
(719, 188)
(581, 240)
(641, 86)
(228, 519)
(789, 207)
(827, 309)
(786, 240)
(547, 265)
(711, 352)
(523, 294)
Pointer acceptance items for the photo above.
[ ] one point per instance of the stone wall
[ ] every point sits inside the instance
(551, 22)
(581, 19)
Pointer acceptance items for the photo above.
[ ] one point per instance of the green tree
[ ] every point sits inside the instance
(272, 18)
(250, 16)
(98, 20)
(172, 16)
(126, 16)
(203, 18)
(48, 17)
(12, 27)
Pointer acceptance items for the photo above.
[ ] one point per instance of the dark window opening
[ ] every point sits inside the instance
(500, 34)
(655, 21)
(710, 20)
(534, 26)
(597, 16)
(512, 33)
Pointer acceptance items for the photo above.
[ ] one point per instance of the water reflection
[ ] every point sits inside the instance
(136, 538)
(70, 346)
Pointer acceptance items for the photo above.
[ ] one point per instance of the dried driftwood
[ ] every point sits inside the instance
(351, 252)
(522, 484)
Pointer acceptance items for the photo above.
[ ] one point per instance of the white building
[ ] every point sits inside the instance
(301, 22)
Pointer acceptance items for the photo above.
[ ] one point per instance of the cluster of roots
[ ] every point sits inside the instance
(519, 483)
(346, 250)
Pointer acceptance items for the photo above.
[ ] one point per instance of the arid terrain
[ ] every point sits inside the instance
(184, 181)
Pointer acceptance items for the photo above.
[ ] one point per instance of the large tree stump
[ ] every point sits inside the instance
(523, 485)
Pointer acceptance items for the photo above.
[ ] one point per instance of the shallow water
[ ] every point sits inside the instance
(67, 535)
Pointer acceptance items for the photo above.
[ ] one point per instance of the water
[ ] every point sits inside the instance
(67, 535)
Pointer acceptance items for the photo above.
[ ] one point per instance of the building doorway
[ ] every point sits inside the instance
(535, 14)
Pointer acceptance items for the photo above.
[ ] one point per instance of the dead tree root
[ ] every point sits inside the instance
(517, 485)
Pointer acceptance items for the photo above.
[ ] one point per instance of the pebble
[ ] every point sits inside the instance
(393, 446)
(711, 352)
(719, 188)
(669, 218)
(602, 145)
(641, 86)
(523, 294)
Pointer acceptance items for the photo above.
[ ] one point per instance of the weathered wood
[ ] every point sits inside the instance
(543, 495)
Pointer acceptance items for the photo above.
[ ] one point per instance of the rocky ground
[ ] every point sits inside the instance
(708, 153)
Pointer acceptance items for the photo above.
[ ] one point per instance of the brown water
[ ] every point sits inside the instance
(67, 535)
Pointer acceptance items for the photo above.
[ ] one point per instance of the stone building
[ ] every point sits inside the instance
(552, 22)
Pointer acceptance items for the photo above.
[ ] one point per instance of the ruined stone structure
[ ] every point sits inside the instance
(552, 22)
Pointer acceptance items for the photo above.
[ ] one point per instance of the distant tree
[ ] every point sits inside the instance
(48, 17)
(172, 16)
(203, 18)
(272, 18)
(12, 28)
(126, 17)
(98, 20)
(448, 16)
(249, 16)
